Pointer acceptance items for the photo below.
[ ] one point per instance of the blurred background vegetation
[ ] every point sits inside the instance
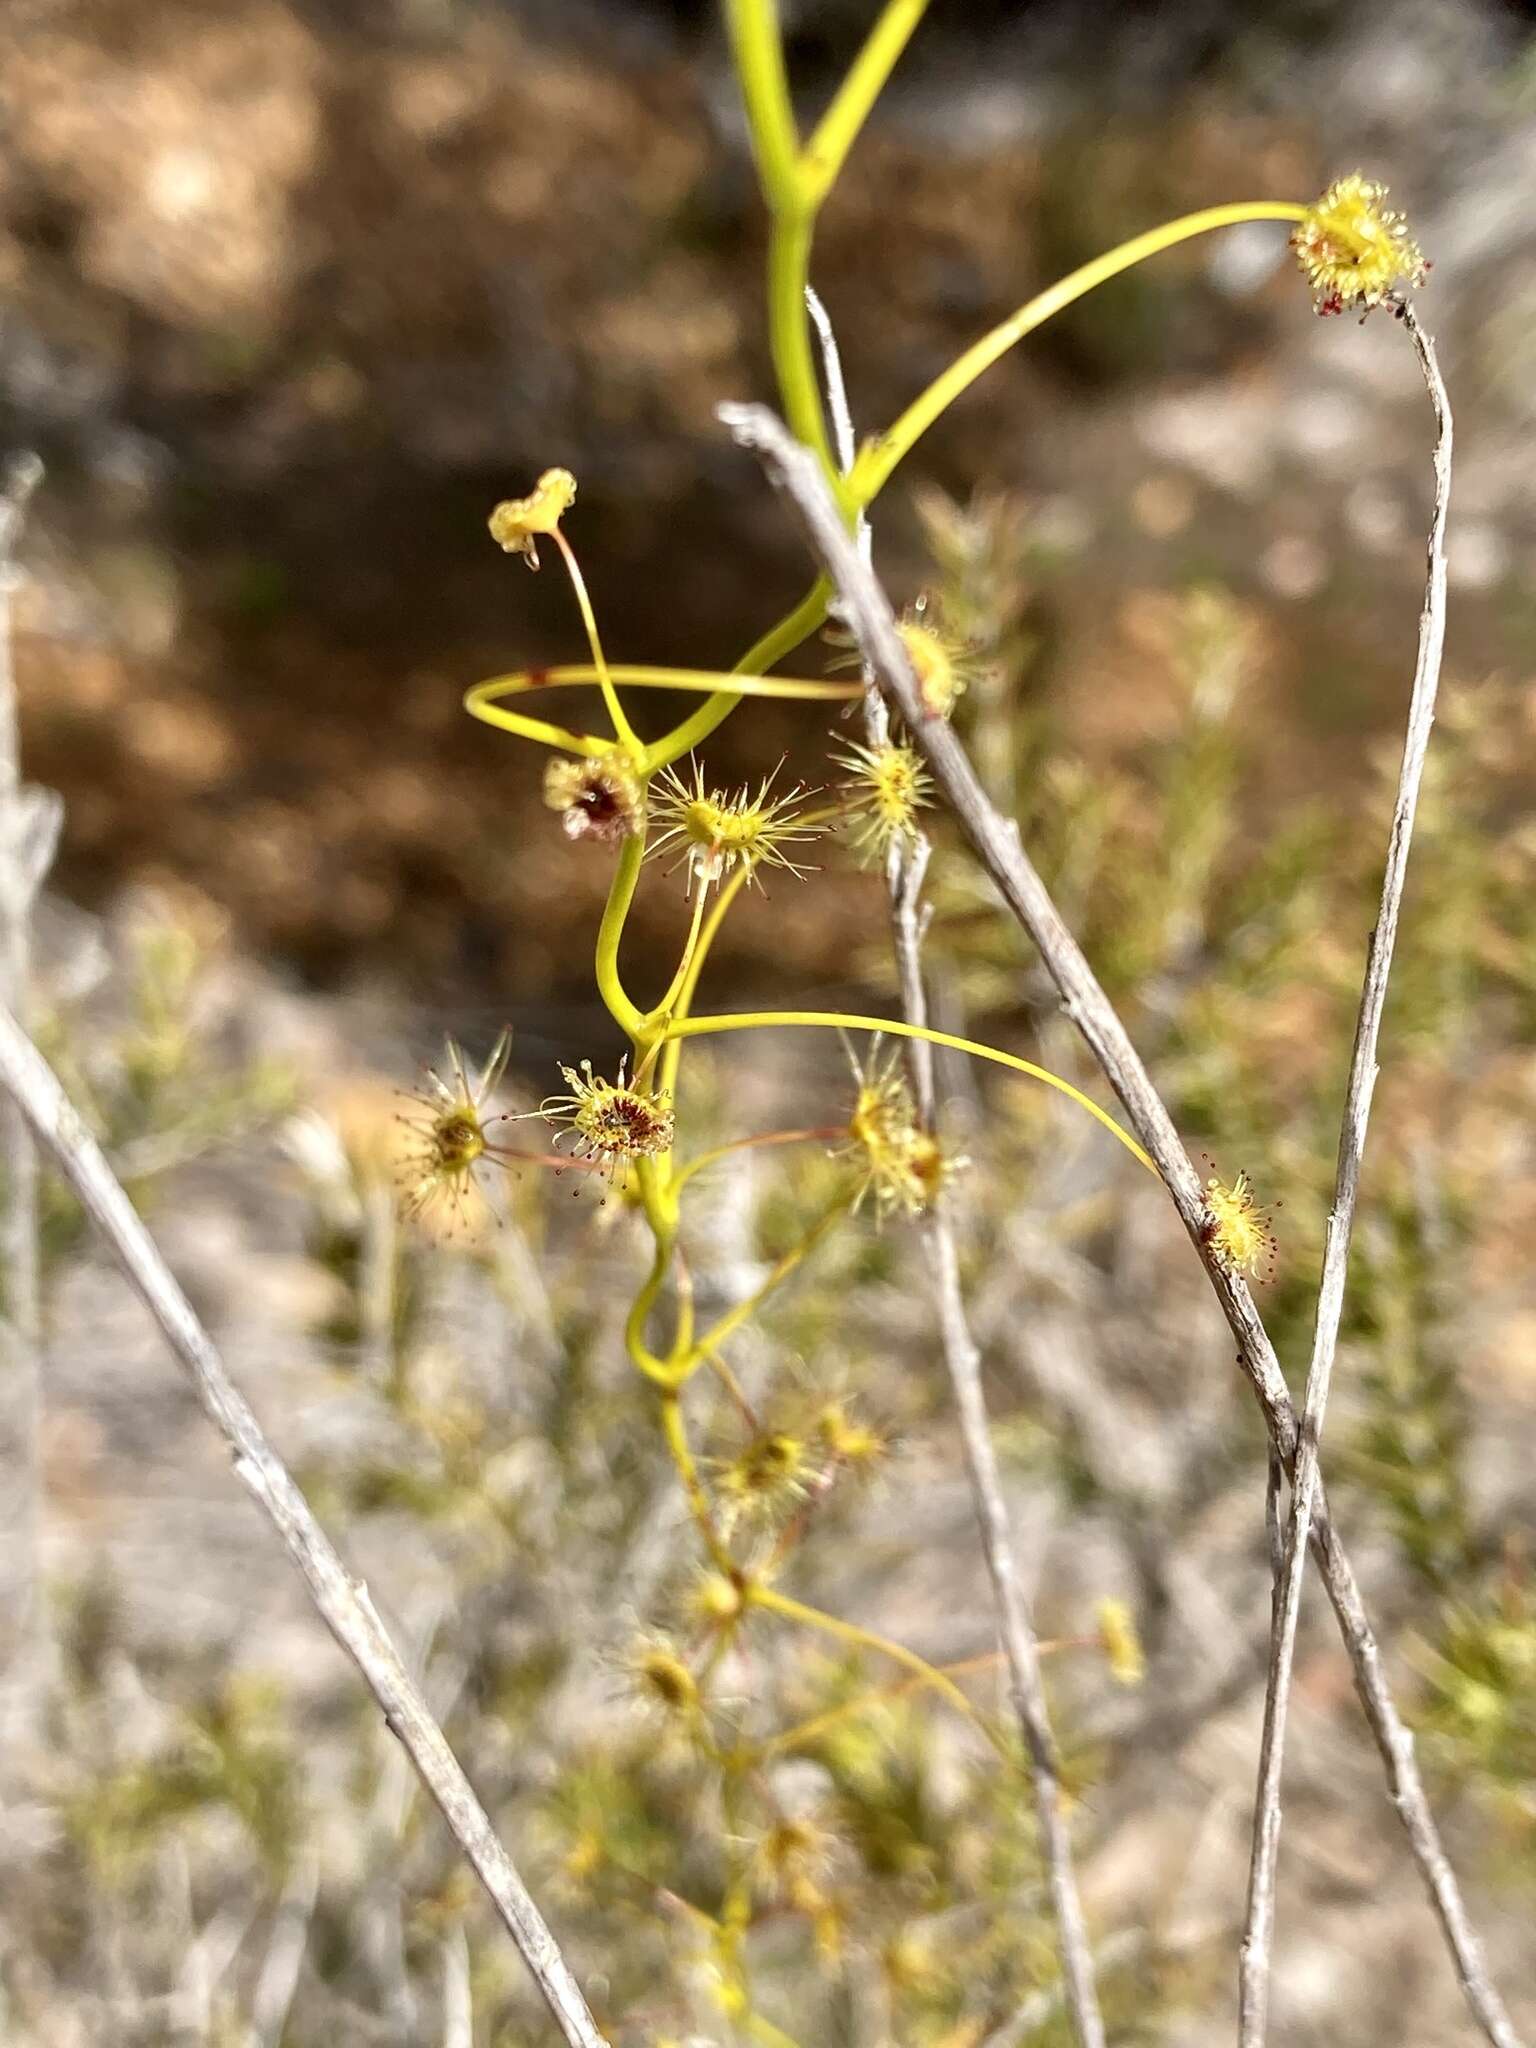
(291, 292)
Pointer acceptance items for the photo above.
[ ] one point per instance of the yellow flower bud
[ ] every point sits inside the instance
(1122, 1645)
(516, 521)
(1353, 249)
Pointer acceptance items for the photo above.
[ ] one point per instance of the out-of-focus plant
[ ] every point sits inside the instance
(855, 1811)
(1478, 1714)
(227, 1752)
(755, 1495)
(145, 1063)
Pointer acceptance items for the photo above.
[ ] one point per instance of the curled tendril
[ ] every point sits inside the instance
(484, 701)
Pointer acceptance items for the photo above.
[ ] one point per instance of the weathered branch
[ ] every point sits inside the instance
(906, 868)
(1020, 1648)
(1254, 1962)
(29, 821)
(995, 842)
(343, 1600)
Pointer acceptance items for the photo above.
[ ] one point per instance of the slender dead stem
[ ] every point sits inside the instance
(344, 1601)
(906, 869)
(1020, 1647)
(28, 833)
(1274, 1489)
(996, 844)
(1254, 1960)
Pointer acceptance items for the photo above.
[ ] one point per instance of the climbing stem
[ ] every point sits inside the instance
(809, 1731)
(659, 1201)
(664, 1008)
(837, 1020)
(655, 1368)
(623, 730)
(672, 1047)
(621, 893)
(827, 1133)
(758, 50)
(675, 1431)
(775, 1602)
(765, 2031)
(838, 128)
(637, 675)
(779, 641)
(718, 1333)
(482, 702)
(880, 456)
(789, 334)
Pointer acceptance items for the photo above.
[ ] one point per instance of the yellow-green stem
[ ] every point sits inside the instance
(720, 1332)
(481, 702)
(874, 1696)
(758, 51)
(775, 644)
(621, 893)
(624, 732)
(675, 987)
(880, 456)
(672, 1048)
(676, 1434)
(633, 675)
(779, 1603)
(837, 1020)
(654, 1367)
(658, 1185)
(764, 2030)
(789, 337)
(838, 128)
(758, 47)
(827, 1133)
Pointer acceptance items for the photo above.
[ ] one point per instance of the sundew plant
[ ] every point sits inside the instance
(655, 810)
(884, 1172)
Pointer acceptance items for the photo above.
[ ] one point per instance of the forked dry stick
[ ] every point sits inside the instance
(905, 869)
(1254, 1959)
(995, 841)
(343, 1601)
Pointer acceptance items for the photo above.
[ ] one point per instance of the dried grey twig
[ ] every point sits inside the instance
(29, 829)
(1253, 1969)
(1020, 1648)
(343, 1601)
(905, 870)
(995, 842)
